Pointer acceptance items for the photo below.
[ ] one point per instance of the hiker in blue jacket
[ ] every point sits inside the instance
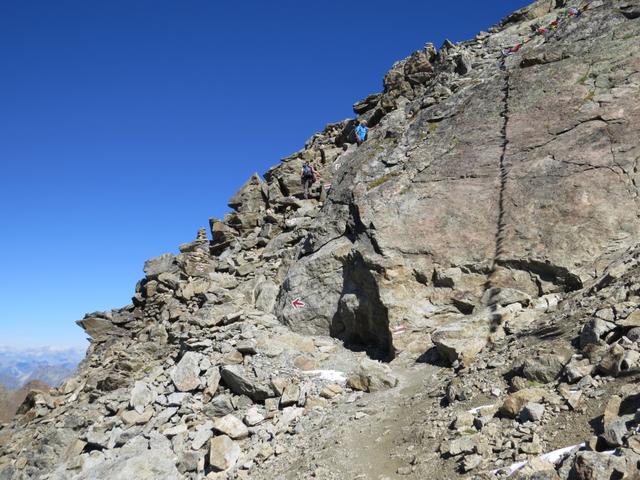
(361, 132)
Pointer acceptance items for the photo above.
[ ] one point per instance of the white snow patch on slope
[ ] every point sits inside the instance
(334, 376)
(552, 457)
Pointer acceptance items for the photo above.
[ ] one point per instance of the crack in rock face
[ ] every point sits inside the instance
(361, 320)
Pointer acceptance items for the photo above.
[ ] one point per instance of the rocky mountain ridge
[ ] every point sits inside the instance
(459, 298)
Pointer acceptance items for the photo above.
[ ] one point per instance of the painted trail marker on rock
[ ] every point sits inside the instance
(398, 329)
(297, 304)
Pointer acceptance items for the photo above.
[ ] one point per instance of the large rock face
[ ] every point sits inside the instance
(495, 179)
(474, 266)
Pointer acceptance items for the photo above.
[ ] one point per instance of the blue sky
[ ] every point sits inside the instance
(125, 125)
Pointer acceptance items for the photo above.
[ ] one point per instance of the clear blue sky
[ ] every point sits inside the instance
(126, 124)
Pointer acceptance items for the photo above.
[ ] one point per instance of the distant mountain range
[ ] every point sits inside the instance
(49, 365)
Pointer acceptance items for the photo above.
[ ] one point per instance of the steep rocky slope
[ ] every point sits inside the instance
(459, 298)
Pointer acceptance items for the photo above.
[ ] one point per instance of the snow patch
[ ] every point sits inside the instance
(334, 376)
(481, 407)
(557, 455)
(553, 457)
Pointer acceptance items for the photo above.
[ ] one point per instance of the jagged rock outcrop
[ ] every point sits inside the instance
(483, 243)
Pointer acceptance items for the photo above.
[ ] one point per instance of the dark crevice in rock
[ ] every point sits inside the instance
(438, 115)
(543, 59)
(450, 179)
(463, 306)
(496, 318)
(545, 271)
(473, 268)
(93, 447)
(309, 249)
(630, 180)
(376, 118)
(590, 167)
(631, 13)
(421, 277)
(362, 320)
(597, 118)
(502, 167)
(356, 229)
(282, 186)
